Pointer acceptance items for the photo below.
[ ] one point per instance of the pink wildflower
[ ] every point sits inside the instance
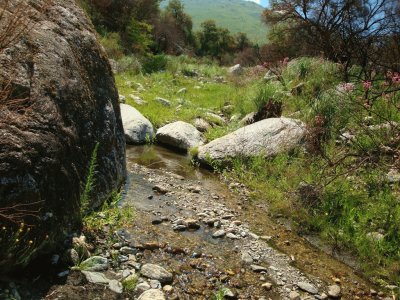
(396, 78)
(367, 85)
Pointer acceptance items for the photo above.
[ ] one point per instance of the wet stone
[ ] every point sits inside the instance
(156, 272)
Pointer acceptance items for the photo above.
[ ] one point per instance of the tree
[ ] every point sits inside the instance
(346, 31)
(173, 31)
(215, 41)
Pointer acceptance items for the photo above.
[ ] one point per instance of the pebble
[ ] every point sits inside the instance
(258, 269)
(96, 277)
(246, 257)
(294, 295)
(156, 272)
(168, 288)
(307, 287)
(192, 224)
(232, 236)
(115, 286)
(267, 286)
(334, 291)
(219, 234)
(142, 287)
(160, 189)
(152, 294)
(127, 250)
(179, 227)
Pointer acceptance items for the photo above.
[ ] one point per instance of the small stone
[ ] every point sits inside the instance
(334, 291)
(127, 250)
(168, 289)
(267, 286)
(155, 284)
(142, 287)
(232, 236)
(63, 274)
(219, 234)
(258, 269)
(227, 217)
(115, 286)
(307, 287)
(179, 227)
(294, 295)
(160, 189)
(96, 277)
(157, 273)
(373, 292)
(152, 294)
(192, 224)
(151, 246)
(246, 257)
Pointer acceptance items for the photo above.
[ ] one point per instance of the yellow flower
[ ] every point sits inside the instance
(16, 240)
(30, 242)
(22, 225)
(20, 230)
(29, 229)
(47, 236)
(4, 227)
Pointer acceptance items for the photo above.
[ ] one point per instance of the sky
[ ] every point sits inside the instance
(261, 2)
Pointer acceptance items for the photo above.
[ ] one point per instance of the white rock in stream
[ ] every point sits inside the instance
(180, 135)
(136, 127)
(267, 137)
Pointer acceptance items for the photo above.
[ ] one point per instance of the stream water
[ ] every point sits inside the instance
(148, 165)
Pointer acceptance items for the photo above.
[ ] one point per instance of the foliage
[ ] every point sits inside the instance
(154, 63)
(111, 215)
(220, 294)
(355, 32)
(89, 182)
(112, 44)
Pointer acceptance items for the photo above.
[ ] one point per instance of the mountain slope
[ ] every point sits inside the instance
(236, 15)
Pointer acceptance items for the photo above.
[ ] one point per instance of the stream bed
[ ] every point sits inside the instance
(257, 257)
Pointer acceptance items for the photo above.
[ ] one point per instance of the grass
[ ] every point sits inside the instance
(203, 93)
(111, 215)
(353, 200)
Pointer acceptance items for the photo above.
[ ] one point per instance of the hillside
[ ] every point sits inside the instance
(236, 15)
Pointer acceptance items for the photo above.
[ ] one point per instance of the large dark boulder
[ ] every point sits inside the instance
(62, 100)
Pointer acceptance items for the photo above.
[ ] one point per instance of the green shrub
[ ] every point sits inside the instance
(154, 63)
